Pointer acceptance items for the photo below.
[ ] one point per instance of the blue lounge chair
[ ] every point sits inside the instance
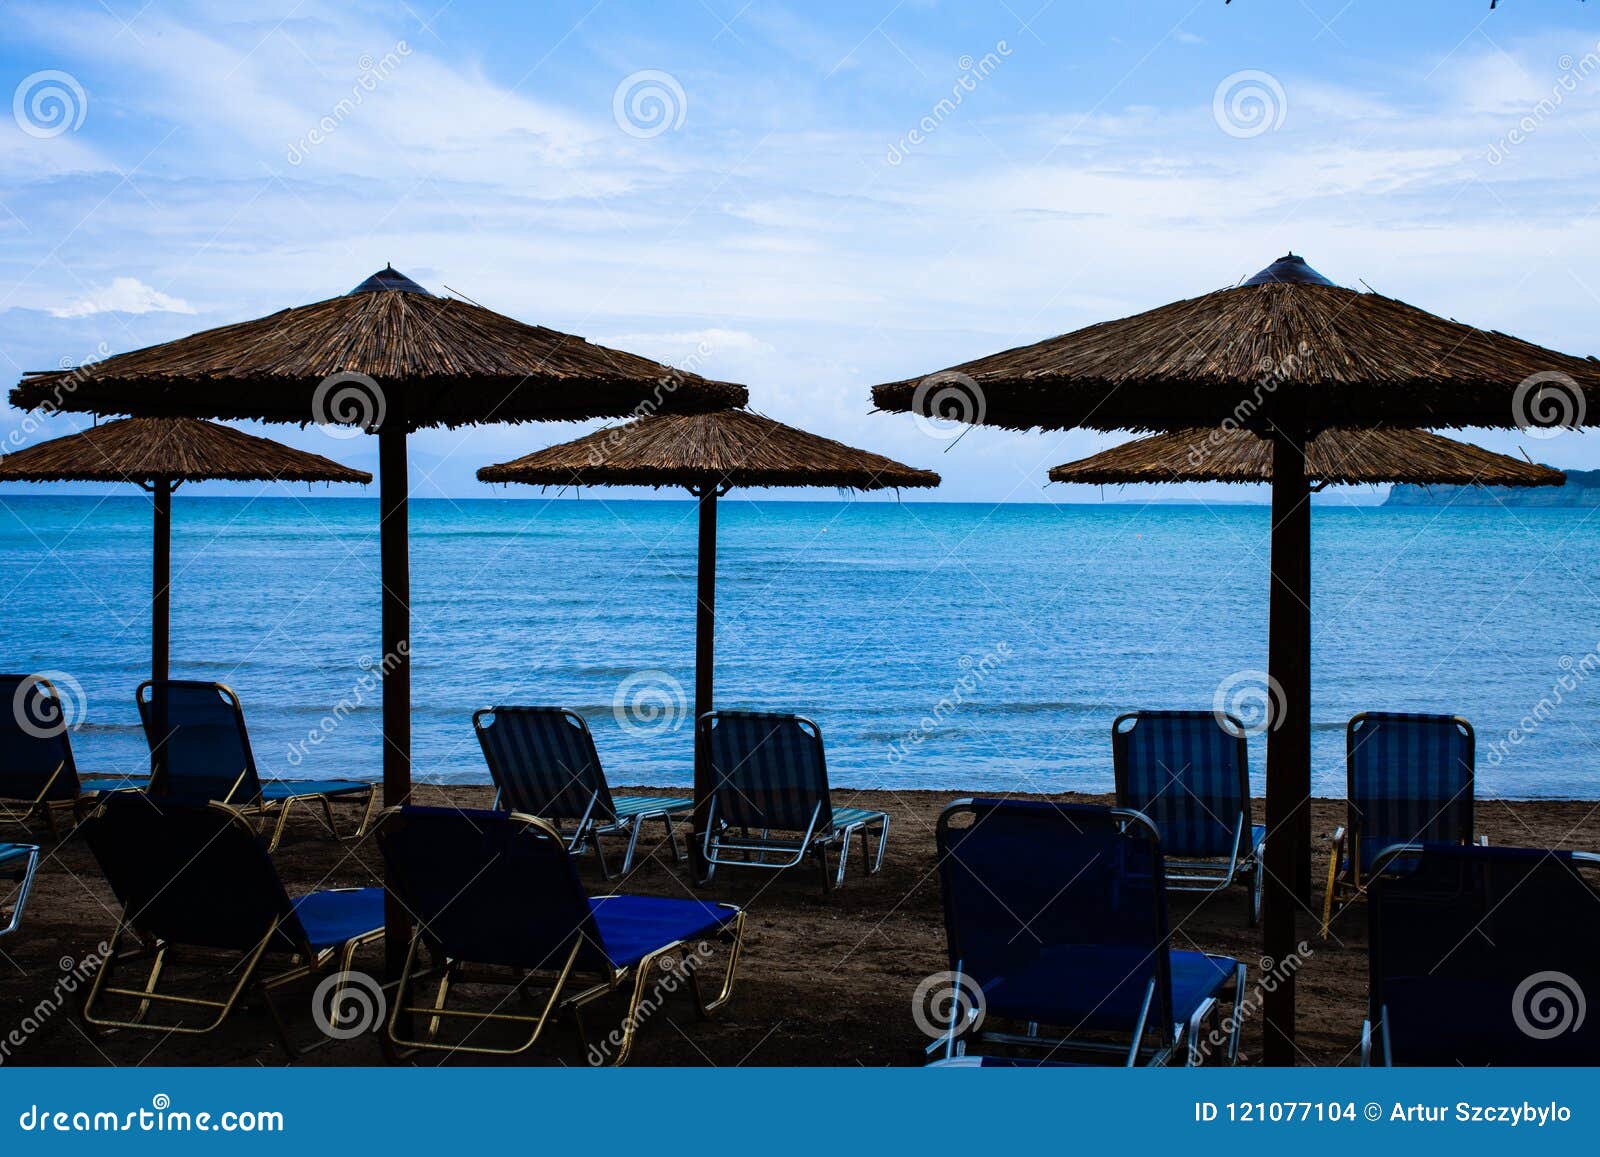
(499, 890)
(192, 877)
(1482, 956)
(204, 753)
(544, 763)
(1057, 913)
(18, 862)
(1409, 781)
(769, 775)
(1189, 773)
(37, 769)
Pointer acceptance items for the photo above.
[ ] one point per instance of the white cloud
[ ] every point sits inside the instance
(123, 295)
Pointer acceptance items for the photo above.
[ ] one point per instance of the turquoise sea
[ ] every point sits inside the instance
(955, 647)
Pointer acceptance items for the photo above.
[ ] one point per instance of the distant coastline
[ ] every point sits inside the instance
(1581, 490)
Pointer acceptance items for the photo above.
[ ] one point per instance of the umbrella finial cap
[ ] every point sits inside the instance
(1290, 270)
(389, 280)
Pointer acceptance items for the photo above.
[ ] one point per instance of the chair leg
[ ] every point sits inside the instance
(735, 948)
(278, 828)
(827, 876)
(367, 812)
(679, 853)
(1327, 896)
(883, 845)
(633, 843)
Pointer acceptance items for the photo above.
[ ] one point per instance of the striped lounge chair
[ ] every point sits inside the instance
(18, 862)
(37, 770)
(544, 763)
(769, 803)
(203, 752)
(1409, 781)
(1056, 927)
(1188, 772)
(497, 902)
(1482, 956)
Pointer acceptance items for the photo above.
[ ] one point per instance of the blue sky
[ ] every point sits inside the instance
(780, 224)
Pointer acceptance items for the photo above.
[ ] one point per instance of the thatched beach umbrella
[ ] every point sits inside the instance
(388, 357)
(1285, 354)
(1333, 458)
(159, 455)
(707, 454)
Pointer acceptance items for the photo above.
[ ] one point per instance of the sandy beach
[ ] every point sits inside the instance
(824, 981)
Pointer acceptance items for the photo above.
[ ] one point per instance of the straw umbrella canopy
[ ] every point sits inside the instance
(1285, 354)
(1333, 458)
(160, 454)
(707, 454)
(388, 357)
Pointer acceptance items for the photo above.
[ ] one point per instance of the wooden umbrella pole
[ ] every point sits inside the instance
(1289, 737)
(394, 548)
(160, 616)
(705, 629)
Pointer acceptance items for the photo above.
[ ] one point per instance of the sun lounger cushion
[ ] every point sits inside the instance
(336, 917)
(632, 927)
(275, 789)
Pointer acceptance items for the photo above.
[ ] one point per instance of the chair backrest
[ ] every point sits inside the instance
(190, 872)
(767, 769)
(1188, 772)
(544, 763)
(204, 747)
(1026, 882)
(1485, 956)
(35, 741)
(490, 887)
(1409, 780)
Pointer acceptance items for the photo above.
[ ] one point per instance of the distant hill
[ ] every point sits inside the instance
(1582, 489)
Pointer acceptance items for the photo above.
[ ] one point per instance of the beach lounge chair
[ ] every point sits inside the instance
(1409, 781)
(1057, 914)
(1188, 772)
(499, 891)
(769, 775)
(37, 769)
(544, 763)
(1482, 956)
(204, 753)
(18, 862)
(194, 881)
